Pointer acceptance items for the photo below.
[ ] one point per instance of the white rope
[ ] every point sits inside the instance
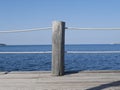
(68, 52)
(48, 28)
(91, 52)
(73, 28)
(42, 52)
(26, 30)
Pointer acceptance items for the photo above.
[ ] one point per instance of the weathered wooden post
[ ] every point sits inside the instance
(58, 39)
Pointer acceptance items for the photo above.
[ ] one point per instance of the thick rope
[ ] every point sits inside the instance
(25, 30)
(48, 28)
(74, 28)
(68, 52)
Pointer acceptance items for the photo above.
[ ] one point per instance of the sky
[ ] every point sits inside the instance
(26, 14)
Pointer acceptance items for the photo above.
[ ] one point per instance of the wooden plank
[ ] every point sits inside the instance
(58, 48)
(88, 80)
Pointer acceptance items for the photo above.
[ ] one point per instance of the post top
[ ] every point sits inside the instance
(58, 22)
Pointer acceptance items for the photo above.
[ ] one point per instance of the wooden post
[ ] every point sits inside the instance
(58, 39)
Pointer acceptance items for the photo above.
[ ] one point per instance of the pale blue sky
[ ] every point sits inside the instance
(24, 14)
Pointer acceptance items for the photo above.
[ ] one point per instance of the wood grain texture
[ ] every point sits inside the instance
(88, 80)
(58, 36)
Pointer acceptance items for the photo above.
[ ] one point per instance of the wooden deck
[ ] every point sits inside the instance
(84, 80)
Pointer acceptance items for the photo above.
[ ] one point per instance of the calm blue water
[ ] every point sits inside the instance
(35, 62)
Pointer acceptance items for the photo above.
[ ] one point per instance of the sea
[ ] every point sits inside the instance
(73, 61)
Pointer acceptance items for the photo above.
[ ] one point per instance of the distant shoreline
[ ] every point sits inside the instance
(51, 44)
(2, 44)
